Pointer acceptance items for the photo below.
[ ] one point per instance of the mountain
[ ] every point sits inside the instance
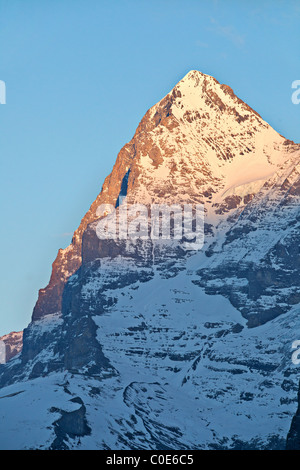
(140, 343)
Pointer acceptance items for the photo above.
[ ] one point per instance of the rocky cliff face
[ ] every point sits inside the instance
(293, 438)
(145, 344)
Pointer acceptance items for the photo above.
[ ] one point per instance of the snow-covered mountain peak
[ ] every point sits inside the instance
(200, 92)
(132, 346)
(199, 144)
(194, 78)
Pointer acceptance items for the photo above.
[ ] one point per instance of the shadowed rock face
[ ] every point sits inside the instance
(141, 324)
(69, 260)
(72, 424)
(293, 438)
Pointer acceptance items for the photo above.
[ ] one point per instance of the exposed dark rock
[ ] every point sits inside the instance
(71, 424)
(293, 437)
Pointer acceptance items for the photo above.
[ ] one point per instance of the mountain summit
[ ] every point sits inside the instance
(200, 143)
(137, 344)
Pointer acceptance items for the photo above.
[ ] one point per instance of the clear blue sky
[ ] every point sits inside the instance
(80, 74)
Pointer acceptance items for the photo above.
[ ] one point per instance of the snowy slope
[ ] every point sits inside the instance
(188, 374)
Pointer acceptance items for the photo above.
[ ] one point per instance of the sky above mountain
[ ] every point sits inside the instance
(81, 74)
